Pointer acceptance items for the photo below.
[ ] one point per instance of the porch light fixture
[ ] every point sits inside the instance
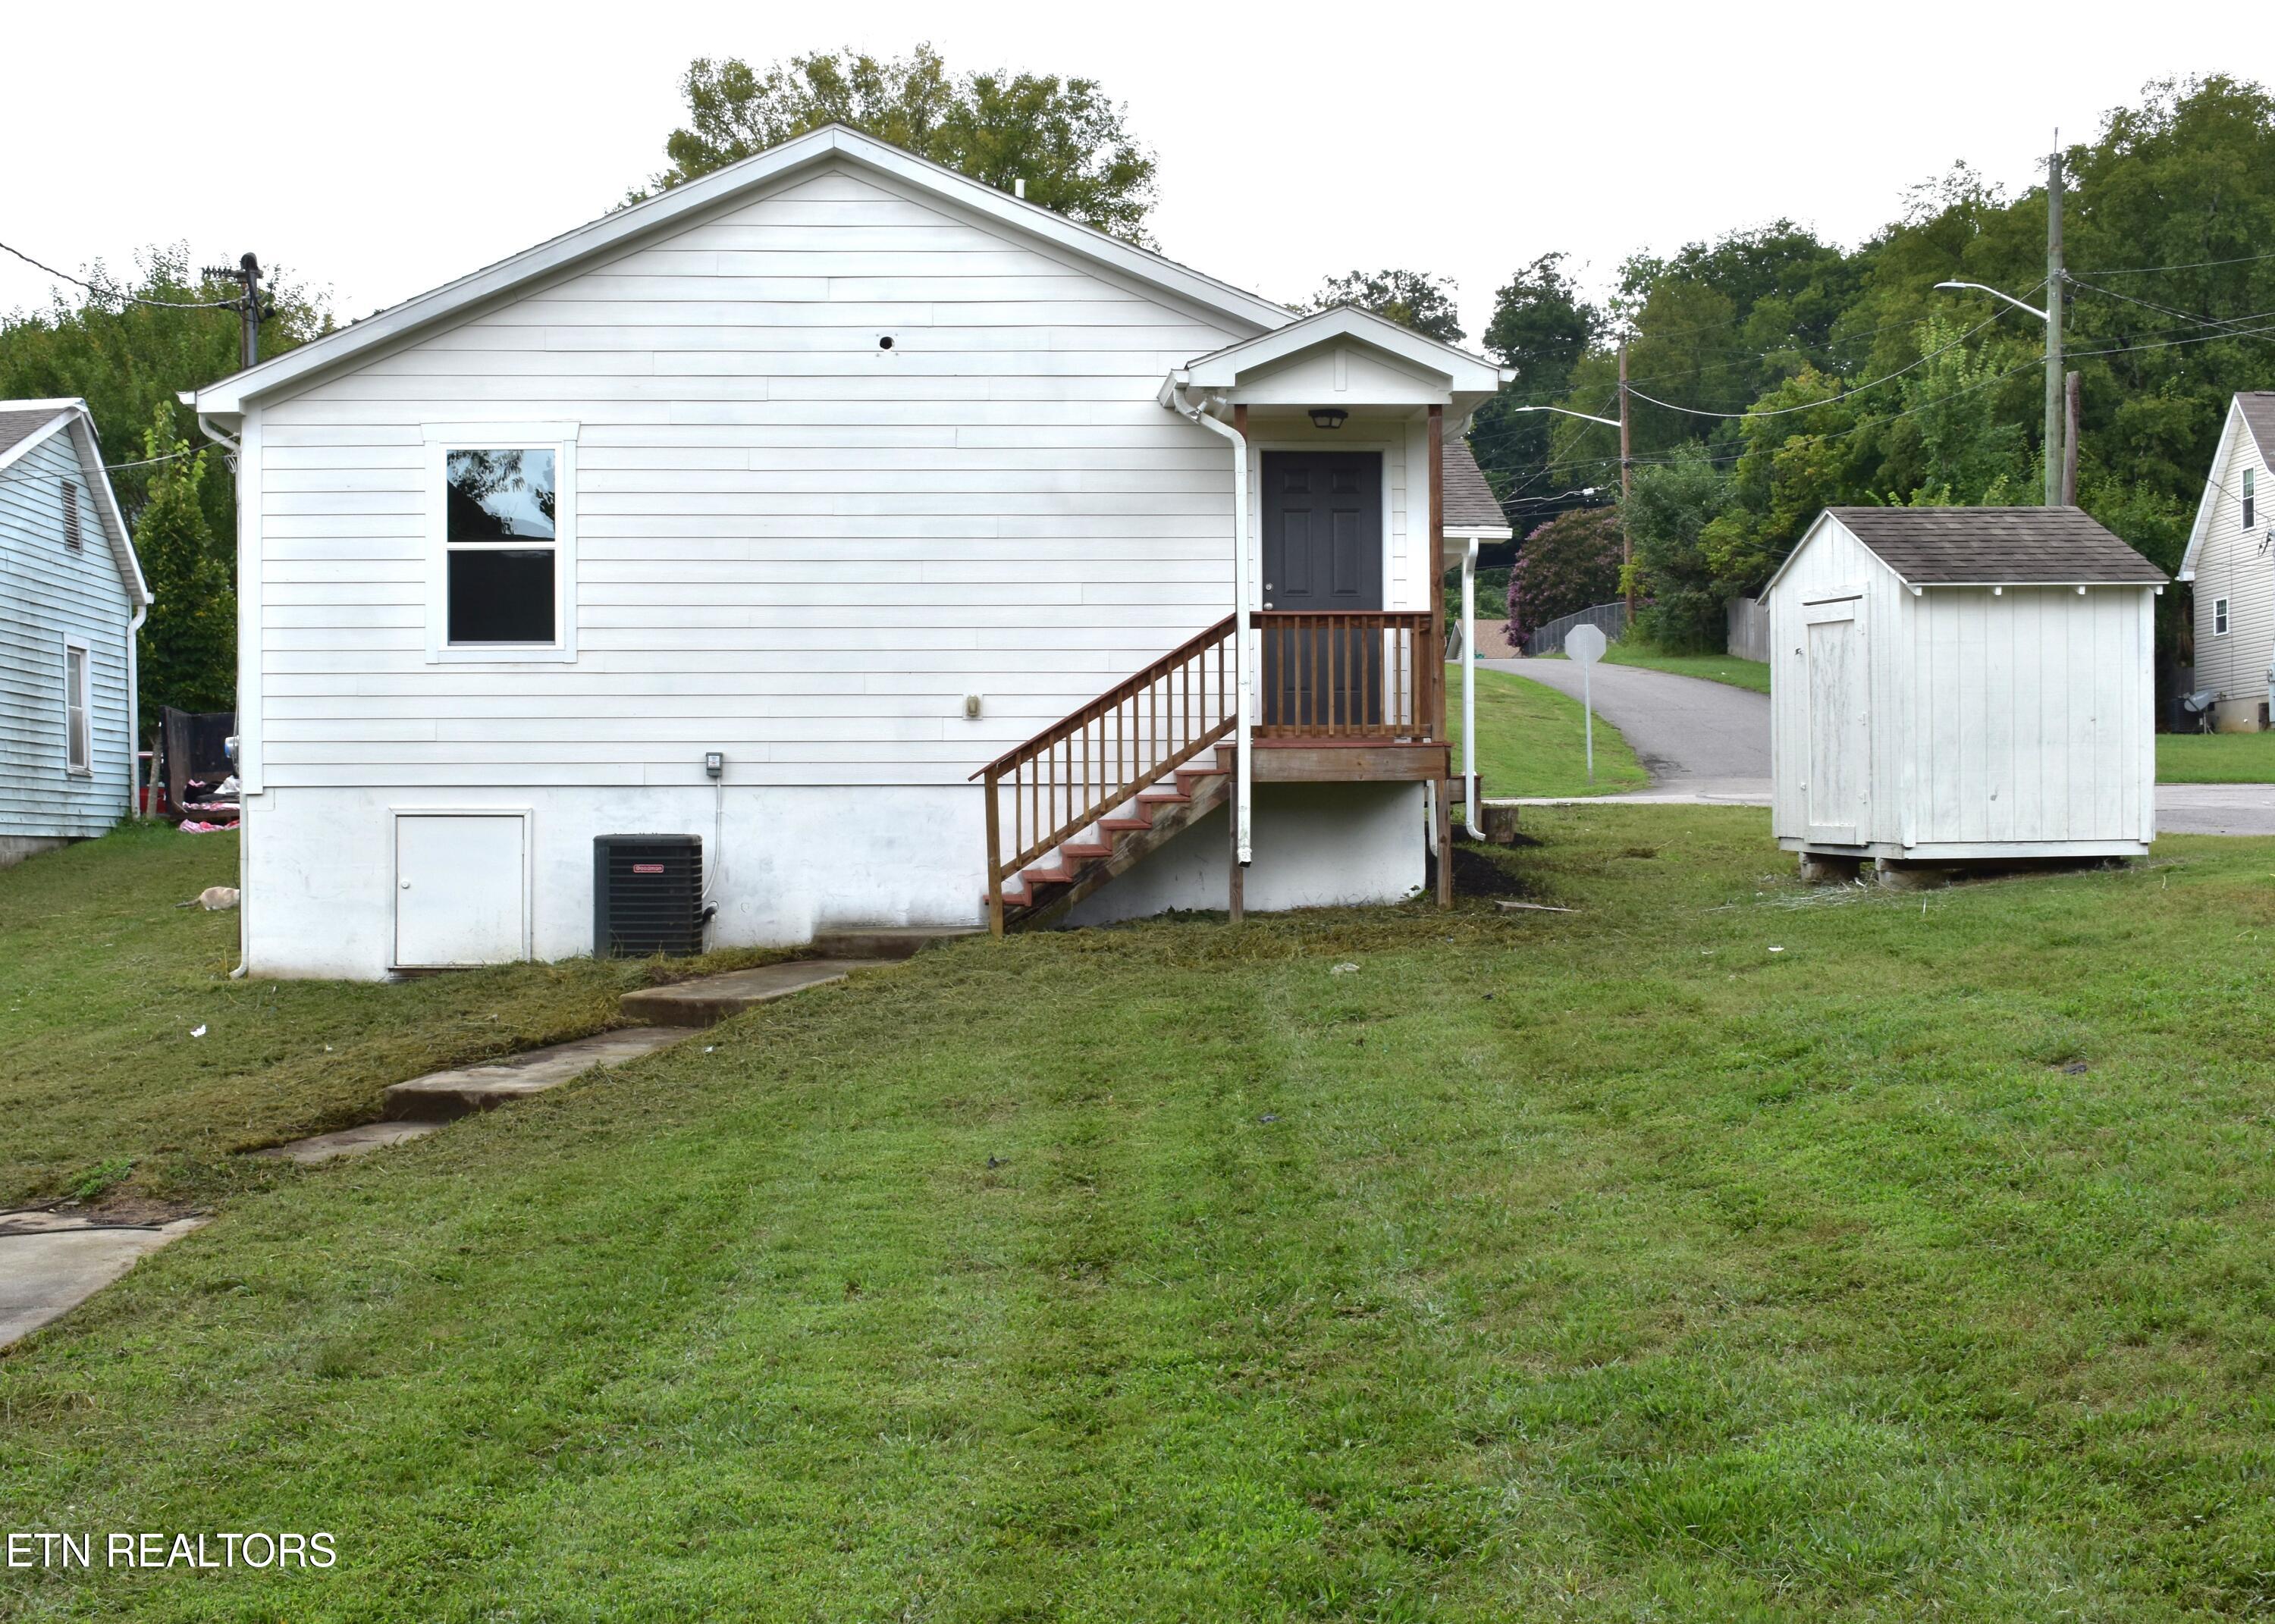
(1328, 417)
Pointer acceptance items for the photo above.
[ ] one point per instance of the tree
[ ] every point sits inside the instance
(1668, 516)
(1409, 298)
(1063, 137)
(187, 656)
(129, 360)
(1569, 564)
(1541, 327)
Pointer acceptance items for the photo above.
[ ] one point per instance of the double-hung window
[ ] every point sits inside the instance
(79, 728)
(2250, 493)
(2219, 617)
(503, 581)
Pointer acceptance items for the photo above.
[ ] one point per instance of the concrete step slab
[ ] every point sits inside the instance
(49, 1264)
(887, 941)
(442, 1096)
(358, 1141)
(709, 999)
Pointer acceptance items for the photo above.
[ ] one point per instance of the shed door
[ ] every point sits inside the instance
(1839, 728)
(458, 889)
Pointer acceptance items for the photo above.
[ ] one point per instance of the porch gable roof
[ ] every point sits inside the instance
(1467, 379)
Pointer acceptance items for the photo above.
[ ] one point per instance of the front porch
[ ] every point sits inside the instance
(1330, 668)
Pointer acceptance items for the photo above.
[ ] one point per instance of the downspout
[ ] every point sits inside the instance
(1244, 699)
(1469, 690)
(244, 818)
(134, 715)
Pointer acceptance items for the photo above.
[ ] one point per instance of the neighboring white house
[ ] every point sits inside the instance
(816, 509)
(2228, 564)
(1958, 684)
(72, 598)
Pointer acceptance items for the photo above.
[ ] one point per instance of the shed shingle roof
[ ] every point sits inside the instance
(1997, 547)
(1470, 504)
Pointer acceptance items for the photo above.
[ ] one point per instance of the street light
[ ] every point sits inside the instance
(2052, 316)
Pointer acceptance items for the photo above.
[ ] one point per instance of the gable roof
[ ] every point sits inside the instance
(2250, 412)
(1471, 507)
(1991, 547)
(27, 425)
(617, 232)
(1223, 368)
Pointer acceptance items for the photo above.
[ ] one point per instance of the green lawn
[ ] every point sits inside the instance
(107, 980)
(2215, 757)
(1752, 674)
(1598, 1264)
(1531, 740)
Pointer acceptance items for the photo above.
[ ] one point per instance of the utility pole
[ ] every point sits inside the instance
(1627, 481)
(2054, 413)
(2070, 386)
(248, 305)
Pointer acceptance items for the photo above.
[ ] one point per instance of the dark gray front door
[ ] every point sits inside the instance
(1322, 552)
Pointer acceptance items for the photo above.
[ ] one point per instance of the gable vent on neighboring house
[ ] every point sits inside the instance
(70, 515)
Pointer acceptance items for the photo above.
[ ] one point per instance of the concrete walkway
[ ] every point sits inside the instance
(1696, 739)
(52, 1262)
(2216, 809)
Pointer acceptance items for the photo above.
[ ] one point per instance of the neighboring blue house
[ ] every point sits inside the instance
(71, 598)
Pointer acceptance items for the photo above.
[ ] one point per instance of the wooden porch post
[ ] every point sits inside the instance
(995, 857)
(1237, 902)
(1445, 808)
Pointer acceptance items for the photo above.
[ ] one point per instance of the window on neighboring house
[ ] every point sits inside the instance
(79, 739)
(2250, 493)
(2219, 617)
(501, 580)
(70, 515)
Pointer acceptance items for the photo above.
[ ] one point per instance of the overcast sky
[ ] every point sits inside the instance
(379, 150)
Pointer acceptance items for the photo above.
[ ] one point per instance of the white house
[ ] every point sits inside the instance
(71, 598)
(1954, 685)
(2227, 562)
(872, 527)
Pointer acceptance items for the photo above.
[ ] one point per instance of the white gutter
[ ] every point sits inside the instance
(1469, 690)
(1244, 701)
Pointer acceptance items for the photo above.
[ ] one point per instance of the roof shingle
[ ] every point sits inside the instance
(1470, 504)
(1997, 547)
(2259, 409)
(16, 422)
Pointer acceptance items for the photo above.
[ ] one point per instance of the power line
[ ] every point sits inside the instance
(2146, 270)
(1779, 412)
(103, 292)
(2147, 304)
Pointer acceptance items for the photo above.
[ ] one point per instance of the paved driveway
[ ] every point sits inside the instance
(1698, 739)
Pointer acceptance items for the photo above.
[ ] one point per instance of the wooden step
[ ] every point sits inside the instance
(1084, 852)
(1124, 826)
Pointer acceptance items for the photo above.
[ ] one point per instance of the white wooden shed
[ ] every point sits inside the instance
(1962, 684)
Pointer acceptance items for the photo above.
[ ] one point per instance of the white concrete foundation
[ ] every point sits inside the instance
(320, 887)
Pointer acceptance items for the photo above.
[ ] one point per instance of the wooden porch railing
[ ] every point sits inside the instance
(1129, 739)
(1368, 674)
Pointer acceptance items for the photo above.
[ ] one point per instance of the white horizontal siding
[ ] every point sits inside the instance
(2236, 564)
(49, 591)
(794, 547)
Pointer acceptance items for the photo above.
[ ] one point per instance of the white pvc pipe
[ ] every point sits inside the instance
(1469, 690)
(1244, 695)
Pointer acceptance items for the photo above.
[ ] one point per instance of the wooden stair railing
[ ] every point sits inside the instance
(1126, 740)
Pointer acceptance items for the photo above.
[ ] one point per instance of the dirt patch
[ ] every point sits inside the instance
(1476, 874)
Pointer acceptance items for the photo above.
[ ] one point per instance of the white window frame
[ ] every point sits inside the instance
(2219, 617)
(2250, 497)
(81, 705)
(561, 440)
